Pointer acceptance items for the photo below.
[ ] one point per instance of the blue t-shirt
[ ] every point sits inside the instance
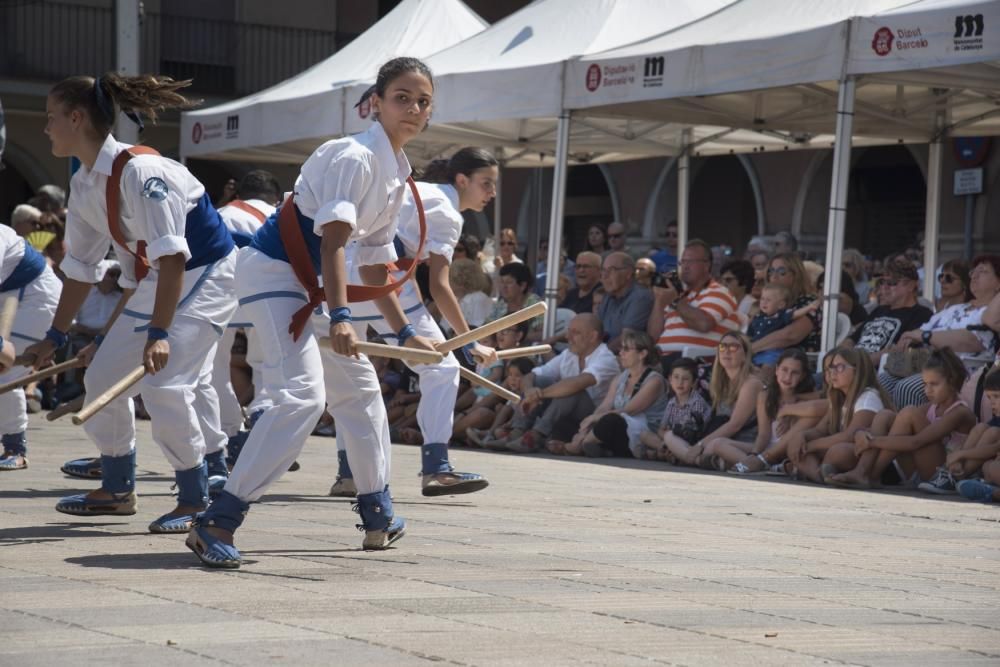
(268, 239)
(762, 325)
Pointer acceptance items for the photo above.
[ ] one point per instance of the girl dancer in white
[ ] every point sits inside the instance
(348, 188)
(465, 182)
(177, 255)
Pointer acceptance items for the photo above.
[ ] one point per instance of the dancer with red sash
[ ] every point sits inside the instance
(349, 188)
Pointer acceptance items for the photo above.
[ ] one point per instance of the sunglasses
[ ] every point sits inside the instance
(730, 347)
(947, 278)
(778, 271)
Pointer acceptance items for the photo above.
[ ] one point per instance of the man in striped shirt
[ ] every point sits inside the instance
(697, 316)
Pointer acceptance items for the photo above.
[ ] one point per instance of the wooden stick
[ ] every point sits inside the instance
(64, 409)
(491, 328)
(393, 352)
(116, 390)
(8, 311)
(42, 374)
(528, 351)
(479, 380)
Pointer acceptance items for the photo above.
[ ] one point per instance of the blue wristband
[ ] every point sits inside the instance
(405, 334)
(98, 339)
(341, 314)
(467, 351)
(156, 333)
(56, 336)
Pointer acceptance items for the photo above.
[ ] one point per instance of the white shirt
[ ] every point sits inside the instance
(602, 364)
(358, 180)
(239, 220)
(444, 222)
(11, 251)
(476, 307)
(868, 400)
(156, 196)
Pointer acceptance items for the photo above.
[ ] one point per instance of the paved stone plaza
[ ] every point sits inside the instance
(559, 562)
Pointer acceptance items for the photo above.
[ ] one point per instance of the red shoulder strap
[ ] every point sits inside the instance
(112, 195)
(298, 257)
(243, 206)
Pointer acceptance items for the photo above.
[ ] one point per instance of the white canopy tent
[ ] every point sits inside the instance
(753, 65)
(285, 123)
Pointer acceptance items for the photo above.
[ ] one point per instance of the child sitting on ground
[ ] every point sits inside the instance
(476, 406)
(982, 445)
(774, 315)
(684, 418)
(499, 429)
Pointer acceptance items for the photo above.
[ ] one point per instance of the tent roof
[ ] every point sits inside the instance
(747, 67)
(309, 106)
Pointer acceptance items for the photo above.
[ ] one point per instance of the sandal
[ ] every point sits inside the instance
(212, 551)
(123, 504)
(172, 523)
(87, 468)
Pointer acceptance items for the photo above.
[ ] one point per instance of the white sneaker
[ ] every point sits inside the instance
(941, 484)
(344, 488)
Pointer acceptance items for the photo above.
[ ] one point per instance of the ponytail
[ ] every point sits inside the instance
(102, 98)
(465, 161)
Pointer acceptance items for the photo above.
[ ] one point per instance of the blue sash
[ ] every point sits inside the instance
(30, 267)
(268, 239)
(206, 234)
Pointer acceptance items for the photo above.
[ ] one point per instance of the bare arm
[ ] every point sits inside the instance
(991, 316)
(861, 421)
(646, 396)
(956, 420)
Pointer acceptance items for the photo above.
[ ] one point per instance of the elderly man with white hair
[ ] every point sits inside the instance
(25, 219)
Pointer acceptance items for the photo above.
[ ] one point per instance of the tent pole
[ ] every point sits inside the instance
(683, 190)
(932, 225)
(838, 211)
(497, 219)
(127, 58)
(556, 222)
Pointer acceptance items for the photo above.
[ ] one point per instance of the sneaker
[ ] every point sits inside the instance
(941, 484)
(344, 487)
(325, 430)
(976, 489)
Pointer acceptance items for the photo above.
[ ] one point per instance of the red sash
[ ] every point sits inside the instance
(243, 206)
(298, 257)
(112, 194)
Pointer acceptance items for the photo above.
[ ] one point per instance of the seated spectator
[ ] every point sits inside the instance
(854, 397)
(787, 271)
(633, 405)
(785, 243)
(793, 383)
(684, 417)
(598, 299)
(774, 315)
(626, 305)
(496, 434)
(25, 219)
(645, 269)
(616, 237)
(566, 271)
(734, 389)
(515, 294)
(506, 253)
(580, 299)
(695, 311)
(50, 199)
(916, 442)
(738, 277)
(476, 407)
(564, 390)
(954, 284)
(597, 240)
(759, 260)
(853, 263)
(666, 258)
(949, 328)
(849, 303)
(982, 445)
(898, 313)
(470, 286)
(468, 247)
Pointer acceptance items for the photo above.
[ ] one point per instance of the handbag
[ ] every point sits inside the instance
(904, 363)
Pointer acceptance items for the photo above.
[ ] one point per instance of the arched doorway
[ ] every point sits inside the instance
(588, 201)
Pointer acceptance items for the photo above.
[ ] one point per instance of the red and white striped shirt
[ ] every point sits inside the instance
(714, 300)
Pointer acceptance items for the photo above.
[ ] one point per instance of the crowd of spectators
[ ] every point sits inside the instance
(700, 357)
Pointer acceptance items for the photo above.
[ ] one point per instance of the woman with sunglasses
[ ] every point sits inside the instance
(950, 328)
(954, 285)
(787, 270)
(734, 390)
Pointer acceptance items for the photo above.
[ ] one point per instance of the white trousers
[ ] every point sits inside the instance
(230, 412)
(438, 382)
(36, 307)
(180, 399)
(293, 379)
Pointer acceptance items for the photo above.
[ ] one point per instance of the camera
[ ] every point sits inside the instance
(668, 280)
